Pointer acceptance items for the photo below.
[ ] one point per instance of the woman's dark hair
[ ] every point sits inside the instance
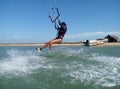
(63, 24)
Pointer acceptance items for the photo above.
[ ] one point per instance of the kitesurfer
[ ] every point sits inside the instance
(61, 30)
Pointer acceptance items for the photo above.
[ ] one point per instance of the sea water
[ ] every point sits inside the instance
(76, 67)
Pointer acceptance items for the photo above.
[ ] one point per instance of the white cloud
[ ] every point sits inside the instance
(84, 35)
(13, 39)
(91, 35)
(68, 37)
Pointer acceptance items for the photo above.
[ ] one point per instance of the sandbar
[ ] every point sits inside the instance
(61, 44)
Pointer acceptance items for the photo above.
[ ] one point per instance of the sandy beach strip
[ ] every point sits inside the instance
(62, 44)
(22, 44)
(111, 44)
(40, 44)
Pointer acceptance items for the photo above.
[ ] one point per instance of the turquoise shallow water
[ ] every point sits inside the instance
(75, 67)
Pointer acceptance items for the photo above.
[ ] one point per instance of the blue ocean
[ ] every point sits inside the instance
(69, 67)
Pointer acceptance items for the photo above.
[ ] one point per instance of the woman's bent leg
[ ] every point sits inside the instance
(55, 41)
(51, 42)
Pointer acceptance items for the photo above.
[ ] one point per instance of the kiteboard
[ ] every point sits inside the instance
(49, 53)
(38, 49)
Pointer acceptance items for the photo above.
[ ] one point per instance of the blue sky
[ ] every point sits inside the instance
(26, 21)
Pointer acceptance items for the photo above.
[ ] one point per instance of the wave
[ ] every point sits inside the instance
(75, 63)
(21, 62)
(100, 70)
(88, 66)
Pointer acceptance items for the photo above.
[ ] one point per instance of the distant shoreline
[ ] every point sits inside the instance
(40, 44)
(62, 44)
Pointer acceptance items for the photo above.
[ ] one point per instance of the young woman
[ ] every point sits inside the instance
(61, 30)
